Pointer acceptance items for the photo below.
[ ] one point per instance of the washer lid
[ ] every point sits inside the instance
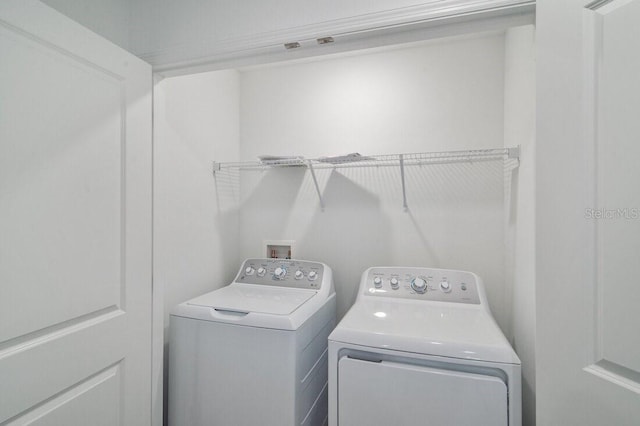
(431, 328)
(248, 298)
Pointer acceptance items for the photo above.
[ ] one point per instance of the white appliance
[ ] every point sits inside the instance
(420, 347)
(254, 352)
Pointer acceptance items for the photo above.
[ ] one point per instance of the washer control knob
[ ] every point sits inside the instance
(280, 273)
(249, 270)
(394, 283)
(261, 271)
(312, 275)
(299, 274)
(445, 286)
(419, 285)
(377, 281)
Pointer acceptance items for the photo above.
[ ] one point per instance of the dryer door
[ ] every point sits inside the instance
(389, 393)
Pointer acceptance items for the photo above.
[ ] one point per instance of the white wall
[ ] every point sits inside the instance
(440, 96)
(196, 121)
(109, 18)
(195, 216)
(519, 129)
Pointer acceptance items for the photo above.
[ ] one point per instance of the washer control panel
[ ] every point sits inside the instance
(443, 285)
(282, 273)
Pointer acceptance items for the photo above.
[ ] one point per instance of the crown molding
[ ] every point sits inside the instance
(430, 18)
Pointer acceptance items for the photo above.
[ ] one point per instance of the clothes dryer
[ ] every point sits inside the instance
(419, 346)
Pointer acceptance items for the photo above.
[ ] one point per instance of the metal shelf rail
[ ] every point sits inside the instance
(388, 160)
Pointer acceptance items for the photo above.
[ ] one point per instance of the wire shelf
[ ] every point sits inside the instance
(388, 160)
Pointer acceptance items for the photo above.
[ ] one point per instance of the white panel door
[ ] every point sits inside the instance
(613, 34)
(588, 213)
(75, 224)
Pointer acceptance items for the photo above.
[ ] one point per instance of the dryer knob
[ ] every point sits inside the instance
(299, 274)
(445, 286)
(394, 283)
(419, 285)
(377, 281)
(280, 273)
(261, 271)
(312, 275)
(249, 270)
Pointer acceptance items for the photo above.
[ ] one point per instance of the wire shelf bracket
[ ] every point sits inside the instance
(315, 182)
(404, 189)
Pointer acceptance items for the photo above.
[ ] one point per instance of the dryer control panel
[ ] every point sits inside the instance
(282, 273)
(443, 285)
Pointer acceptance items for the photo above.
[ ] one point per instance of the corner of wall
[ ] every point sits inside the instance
(520, 226)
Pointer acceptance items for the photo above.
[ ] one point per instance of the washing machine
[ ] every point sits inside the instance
(255, 351)
(420, 347)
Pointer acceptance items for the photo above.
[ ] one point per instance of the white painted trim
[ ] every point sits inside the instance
(592, 24)
(157, 296)
(270, 44)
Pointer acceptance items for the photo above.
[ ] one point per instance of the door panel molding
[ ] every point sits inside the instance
(61, 179)
(616, 374)
(10, 346)
(102, 386)
(49, 372)
(612, 357)
(59, 50)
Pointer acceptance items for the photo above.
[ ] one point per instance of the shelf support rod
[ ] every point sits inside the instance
(404, 190)
(315, 182)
